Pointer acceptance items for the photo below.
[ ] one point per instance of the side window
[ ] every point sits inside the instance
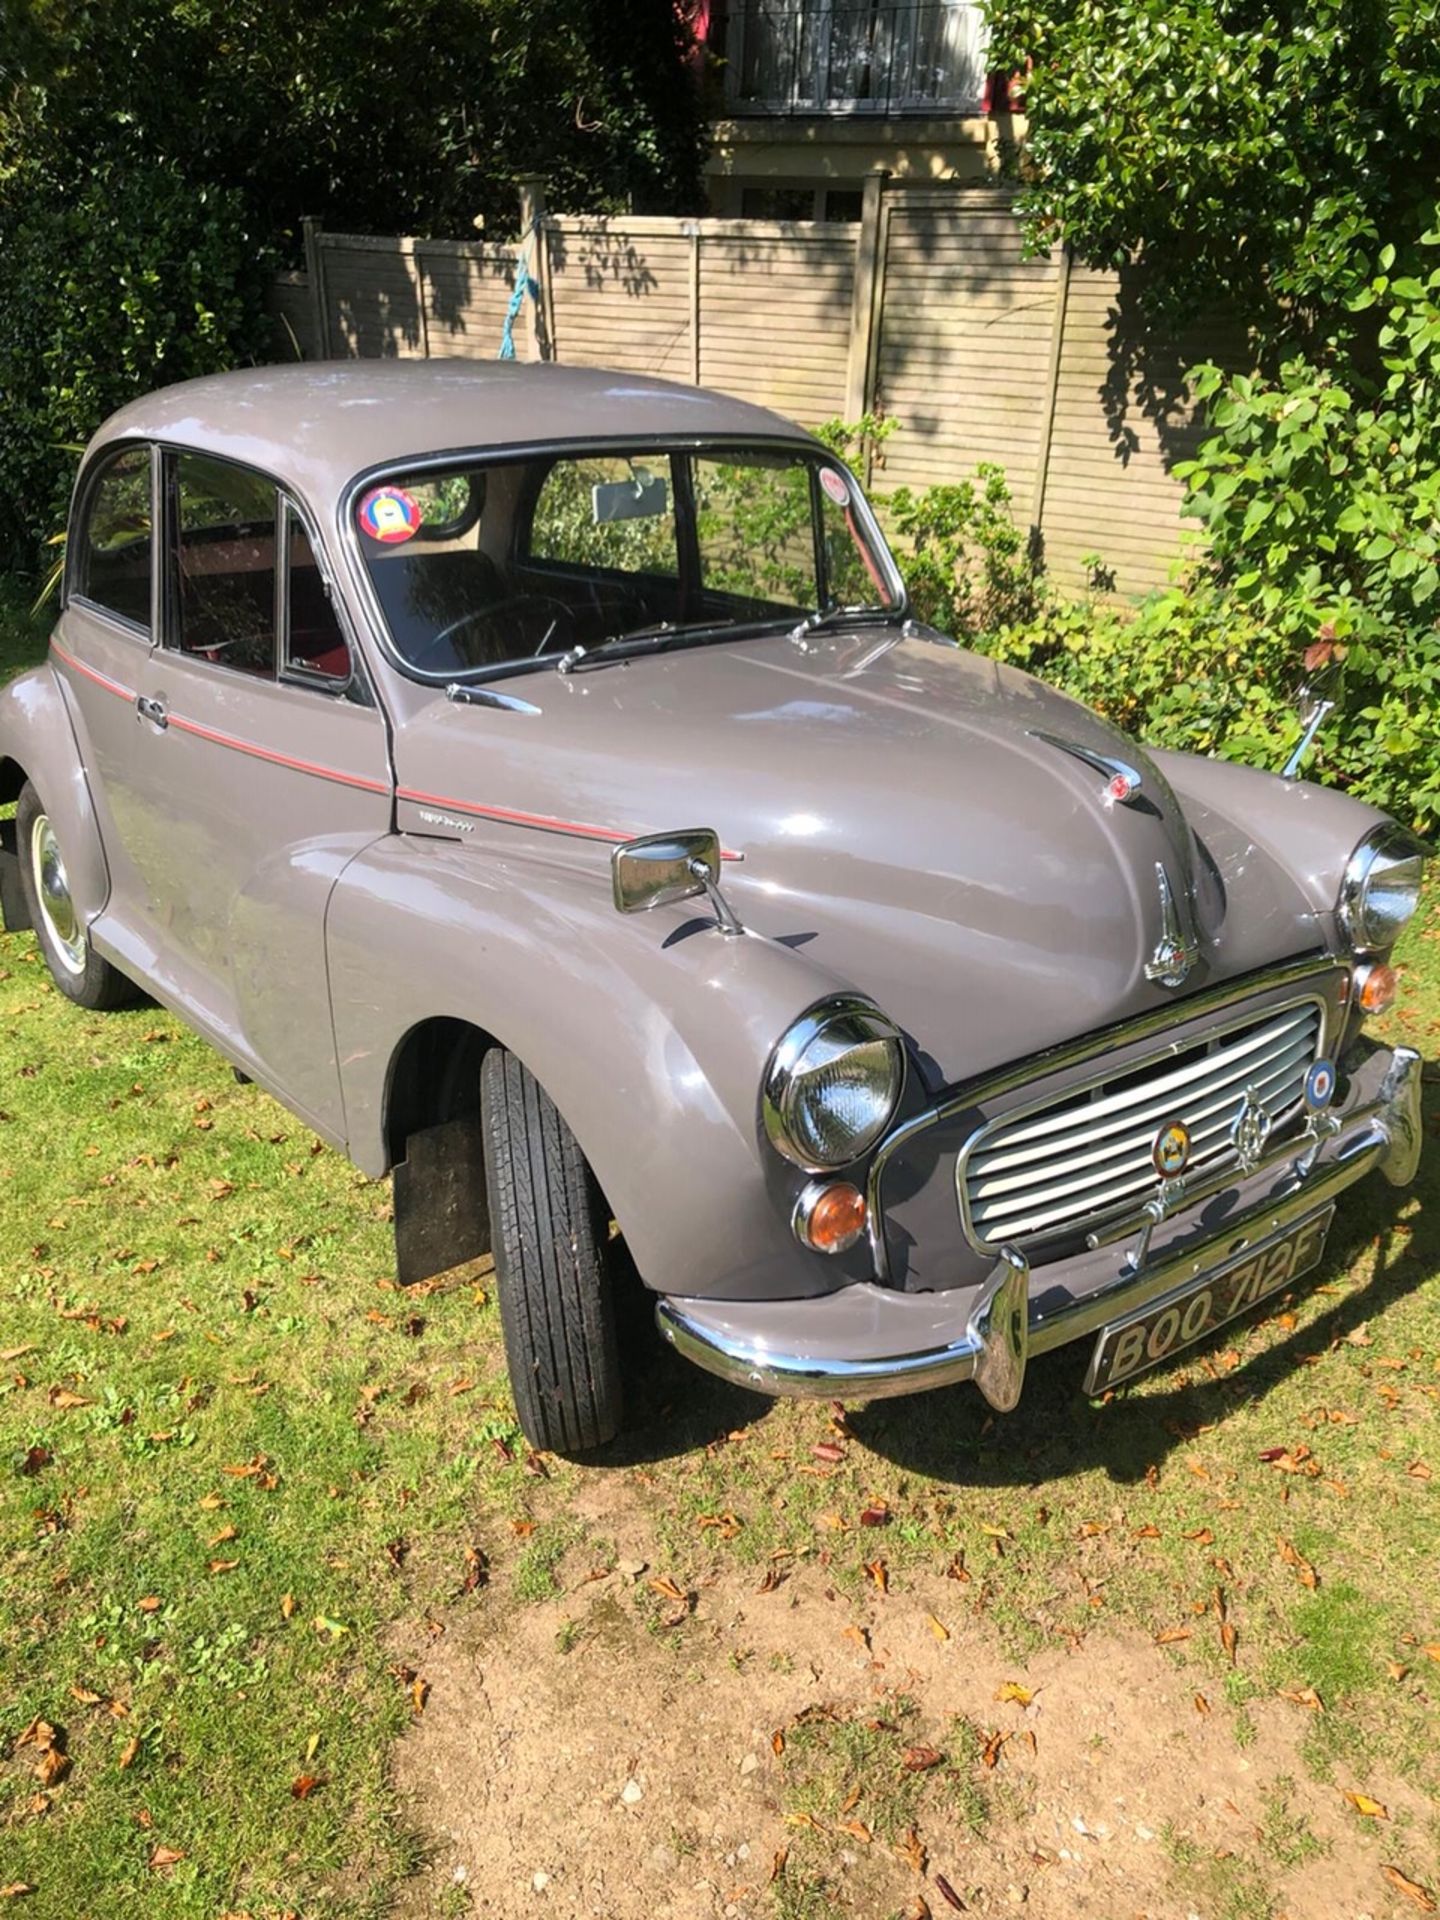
(607, 512)
(112, 559)
(225, 564)
(315, 643)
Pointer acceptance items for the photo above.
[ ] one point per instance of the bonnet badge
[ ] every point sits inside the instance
(1174, 955)
(1250, 1131)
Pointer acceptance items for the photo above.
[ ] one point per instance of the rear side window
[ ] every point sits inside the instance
(112, 565)
(225, 575)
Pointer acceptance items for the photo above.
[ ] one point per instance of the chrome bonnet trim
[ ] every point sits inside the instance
(1383, 1134)
(1076, 1053)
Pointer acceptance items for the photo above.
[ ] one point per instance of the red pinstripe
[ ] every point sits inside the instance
(545, 822)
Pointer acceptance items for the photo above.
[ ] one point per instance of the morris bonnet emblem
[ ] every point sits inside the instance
(1174, 955)
(1250, 1131)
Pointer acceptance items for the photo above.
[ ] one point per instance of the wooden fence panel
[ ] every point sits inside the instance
(1121, 420)
(966, 327)
(620, 294)
(774, 313)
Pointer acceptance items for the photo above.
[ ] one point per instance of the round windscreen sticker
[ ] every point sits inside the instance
(389, 514)
(835, 486)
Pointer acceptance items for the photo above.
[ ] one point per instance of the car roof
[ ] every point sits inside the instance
(317, 424)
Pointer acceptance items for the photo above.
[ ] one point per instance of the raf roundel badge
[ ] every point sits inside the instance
(1170, 1150)
(389, 514)
(1320, 1085)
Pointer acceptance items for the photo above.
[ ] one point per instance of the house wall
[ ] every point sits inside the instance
(926, 309)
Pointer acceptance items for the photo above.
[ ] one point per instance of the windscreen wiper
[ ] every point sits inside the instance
(820, 618)
(638, 640)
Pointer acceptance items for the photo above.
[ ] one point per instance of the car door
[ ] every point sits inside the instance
(264, 768)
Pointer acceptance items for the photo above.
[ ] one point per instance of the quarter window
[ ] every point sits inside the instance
(114, 549)
(225, 572)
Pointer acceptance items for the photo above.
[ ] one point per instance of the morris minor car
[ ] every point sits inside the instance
(534, 778)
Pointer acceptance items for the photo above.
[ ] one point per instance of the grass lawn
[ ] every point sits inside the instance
(246, 1486)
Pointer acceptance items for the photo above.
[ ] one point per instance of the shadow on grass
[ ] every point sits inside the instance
(951, 1435)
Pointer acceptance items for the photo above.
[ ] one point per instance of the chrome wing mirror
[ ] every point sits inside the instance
(1312, 709)
(662, 868)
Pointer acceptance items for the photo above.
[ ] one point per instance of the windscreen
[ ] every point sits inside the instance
(490, 564)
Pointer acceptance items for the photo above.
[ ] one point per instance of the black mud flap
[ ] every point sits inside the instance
(14, 913)
(441, 1216)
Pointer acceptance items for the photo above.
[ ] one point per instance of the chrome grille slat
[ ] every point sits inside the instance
(1170, 1082)
(991, 1174)
(1087, 1154)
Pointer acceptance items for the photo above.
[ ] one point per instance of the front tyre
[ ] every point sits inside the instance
(75, 967)
(550, 1235)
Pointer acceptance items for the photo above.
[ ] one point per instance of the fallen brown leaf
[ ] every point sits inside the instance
(937, 1627)
(857, 1830)
(164, 1857)
(1168, 1635)
(305, 1784)
(64, 1400)
(911, 1849)
(951, 1897)
(777, 1865)
(879, 1573)
(990, 1754)
(777, 1743)
(1202, 1705)
(666, 1588)
(1412, 1889)
(1303, 1697)
(1292, 1557)
(1012, 1690)
(920, 1759)
(16, 1890)
(128, 1754)
(52, 1767)
(1363, 1804)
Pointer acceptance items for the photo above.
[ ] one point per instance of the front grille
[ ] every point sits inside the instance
(1065, 1167)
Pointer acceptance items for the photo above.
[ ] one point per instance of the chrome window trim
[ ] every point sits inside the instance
(82, 500)
(1073, 1053)
(799, 444)
(1127, 1209)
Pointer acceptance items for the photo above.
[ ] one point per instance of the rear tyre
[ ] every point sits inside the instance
(75, 967)
(550, 1235)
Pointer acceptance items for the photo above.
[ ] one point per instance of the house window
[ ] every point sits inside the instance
(777, 203)
(797, 56)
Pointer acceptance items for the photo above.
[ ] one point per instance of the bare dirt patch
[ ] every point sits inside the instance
(606, 1753)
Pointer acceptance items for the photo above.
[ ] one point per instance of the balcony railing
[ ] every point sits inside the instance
(845, 56)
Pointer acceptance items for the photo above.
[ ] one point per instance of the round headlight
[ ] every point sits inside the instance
(832, 1084)
(1381, 888)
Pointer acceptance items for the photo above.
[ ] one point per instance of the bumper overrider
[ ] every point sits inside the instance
(865, 1341)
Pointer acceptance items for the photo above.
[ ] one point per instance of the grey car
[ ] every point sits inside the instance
(535, 779)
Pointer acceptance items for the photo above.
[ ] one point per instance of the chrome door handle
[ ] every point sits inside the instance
(152, 710)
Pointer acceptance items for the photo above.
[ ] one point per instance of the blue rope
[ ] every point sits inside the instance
(525, 282)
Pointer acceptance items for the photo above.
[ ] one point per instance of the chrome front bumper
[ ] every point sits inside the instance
(867, 1342)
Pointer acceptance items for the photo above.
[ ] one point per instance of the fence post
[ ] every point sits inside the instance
(692, 228)
(315, 268)
(860, 363)
(538, 344)
(1052, 385)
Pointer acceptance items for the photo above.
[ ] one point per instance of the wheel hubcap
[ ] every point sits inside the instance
(52, 890)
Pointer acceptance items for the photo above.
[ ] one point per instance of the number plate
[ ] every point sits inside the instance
(1130, 1346)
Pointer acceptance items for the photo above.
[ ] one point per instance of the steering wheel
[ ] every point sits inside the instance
(553, 612)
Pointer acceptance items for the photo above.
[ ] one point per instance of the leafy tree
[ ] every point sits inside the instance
(157, 158)
(1258, 154)
(1280, 160)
